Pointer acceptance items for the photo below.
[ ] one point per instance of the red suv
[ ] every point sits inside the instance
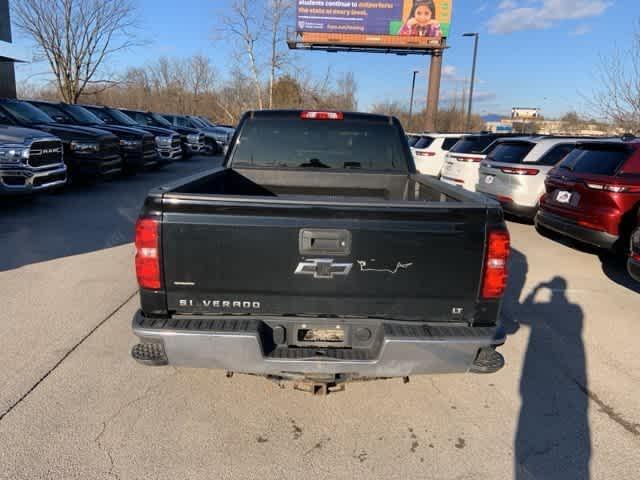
(634, 258)
(594, 193)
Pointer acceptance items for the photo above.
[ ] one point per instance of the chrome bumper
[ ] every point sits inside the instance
(243, 345)
(35, 179)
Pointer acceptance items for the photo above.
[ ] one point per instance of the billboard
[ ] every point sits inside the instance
(412, 24)
(524, 113)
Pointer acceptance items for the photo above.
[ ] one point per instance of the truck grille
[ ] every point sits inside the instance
(45, 153)
(109, 148)
(148, 146)
(175, 141)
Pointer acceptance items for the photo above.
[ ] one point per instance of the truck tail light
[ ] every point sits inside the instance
(313, 115)
(494, 281)
(520, 171)
(425, 154)
(148, 254)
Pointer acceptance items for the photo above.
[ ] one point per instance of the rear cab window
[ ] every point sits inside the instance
(594, 159)
(509, 152)
(288, 141)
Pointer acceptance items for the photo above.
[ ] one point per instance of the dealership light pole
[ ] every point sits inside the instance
(473, 75)
(413, 89)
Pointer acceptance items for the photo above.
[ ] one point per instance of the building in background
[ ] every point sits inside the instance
(7, 59)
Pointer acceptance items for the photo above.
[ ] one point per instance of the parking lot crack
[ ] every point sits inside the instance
(66, 355)
(98, 440)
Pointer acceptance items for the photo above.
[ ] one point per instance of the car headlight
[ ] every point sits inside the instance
(163, 141)
(13, 153)
(193, 138)
(85, 147)
(130, 143)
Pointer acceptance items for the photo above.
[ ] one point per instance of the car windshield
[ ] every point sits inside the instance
(163, 122)
(197, 122)
(82, 115)
(207, 122)
(423, 142)
(122, 117)
(596, 159)
(509, 152)
(472, 144)
(335, 144)
(27, 113)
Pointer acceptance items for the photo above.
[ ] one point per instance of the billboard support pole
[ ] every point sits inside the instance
(433, 95)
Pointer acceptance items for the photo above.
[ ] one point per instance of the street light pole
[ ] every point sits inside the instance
(413, 88)
(473, 75)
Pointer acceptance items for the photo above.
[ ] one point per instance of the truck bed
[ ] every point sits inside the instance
(346, 187)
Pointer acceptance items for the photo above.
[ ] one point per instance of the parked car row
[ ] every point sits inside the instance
(587, 189)
(44, 145)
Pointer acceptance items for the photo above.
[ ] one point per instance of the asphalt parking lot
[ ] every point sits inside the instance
(74, 405)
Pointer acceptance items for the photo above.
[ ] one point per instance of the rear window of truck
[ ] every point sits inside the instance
(289, 142)
(509, 152)
(596, 160)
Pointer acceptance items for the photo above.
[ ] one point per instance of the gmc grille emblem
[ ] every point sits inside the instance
(323, 268)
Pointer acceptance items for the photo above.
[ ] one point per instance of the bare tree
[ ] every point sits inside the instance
(277, 11)
(246, 24)
(76, 37)
(618, 99)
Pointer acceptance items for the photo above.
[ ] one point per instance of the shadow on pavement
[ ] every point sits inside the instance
(615, 268)
(553, 437)
(81, 219)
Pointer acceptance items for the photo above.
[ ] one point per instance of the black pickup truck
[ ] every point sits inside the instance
(137, 148)
(317, 254)
(89, 153)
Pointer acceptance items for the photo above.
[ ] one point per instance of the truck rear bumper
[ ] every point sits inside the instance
(244, 344)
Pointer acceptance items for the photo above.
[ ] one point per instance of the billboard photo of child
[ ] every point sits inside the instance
(422, 20)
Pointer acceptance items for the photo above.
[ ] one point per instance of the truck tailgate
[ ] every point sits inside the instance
(415, 263)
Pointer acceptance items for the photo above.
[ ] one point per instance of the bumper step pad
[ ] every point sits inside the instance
(487, 361)
(149, 354)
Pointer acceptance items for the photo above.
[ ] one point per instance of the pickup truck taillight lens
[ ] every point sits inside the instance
(147, 254)
(494, 281)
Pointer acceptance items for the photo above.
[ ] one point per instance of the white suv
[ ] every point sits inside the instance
(515, 169)
(463, 160)
(430, 149)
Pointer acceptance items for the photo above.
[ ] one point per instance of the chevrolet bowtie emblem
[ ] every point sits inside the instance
(323, 268)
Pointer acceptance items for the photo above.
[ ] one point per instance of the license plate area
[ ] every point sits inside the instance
(314, 335)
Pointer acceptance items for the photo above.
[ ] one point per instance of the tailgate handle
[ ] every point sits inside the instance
(325, 242)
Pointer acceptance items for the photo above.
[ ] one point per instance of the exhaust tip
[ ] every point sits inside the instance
(150, 354)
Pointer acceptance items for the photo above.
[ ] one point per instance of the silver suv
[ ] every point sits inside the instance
(515, 169)
(30, 161)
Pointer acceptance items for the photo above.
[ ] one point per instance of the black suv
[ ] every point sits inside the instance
(88, 152)
(192, 139)
(138, 148)
(168, 141)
